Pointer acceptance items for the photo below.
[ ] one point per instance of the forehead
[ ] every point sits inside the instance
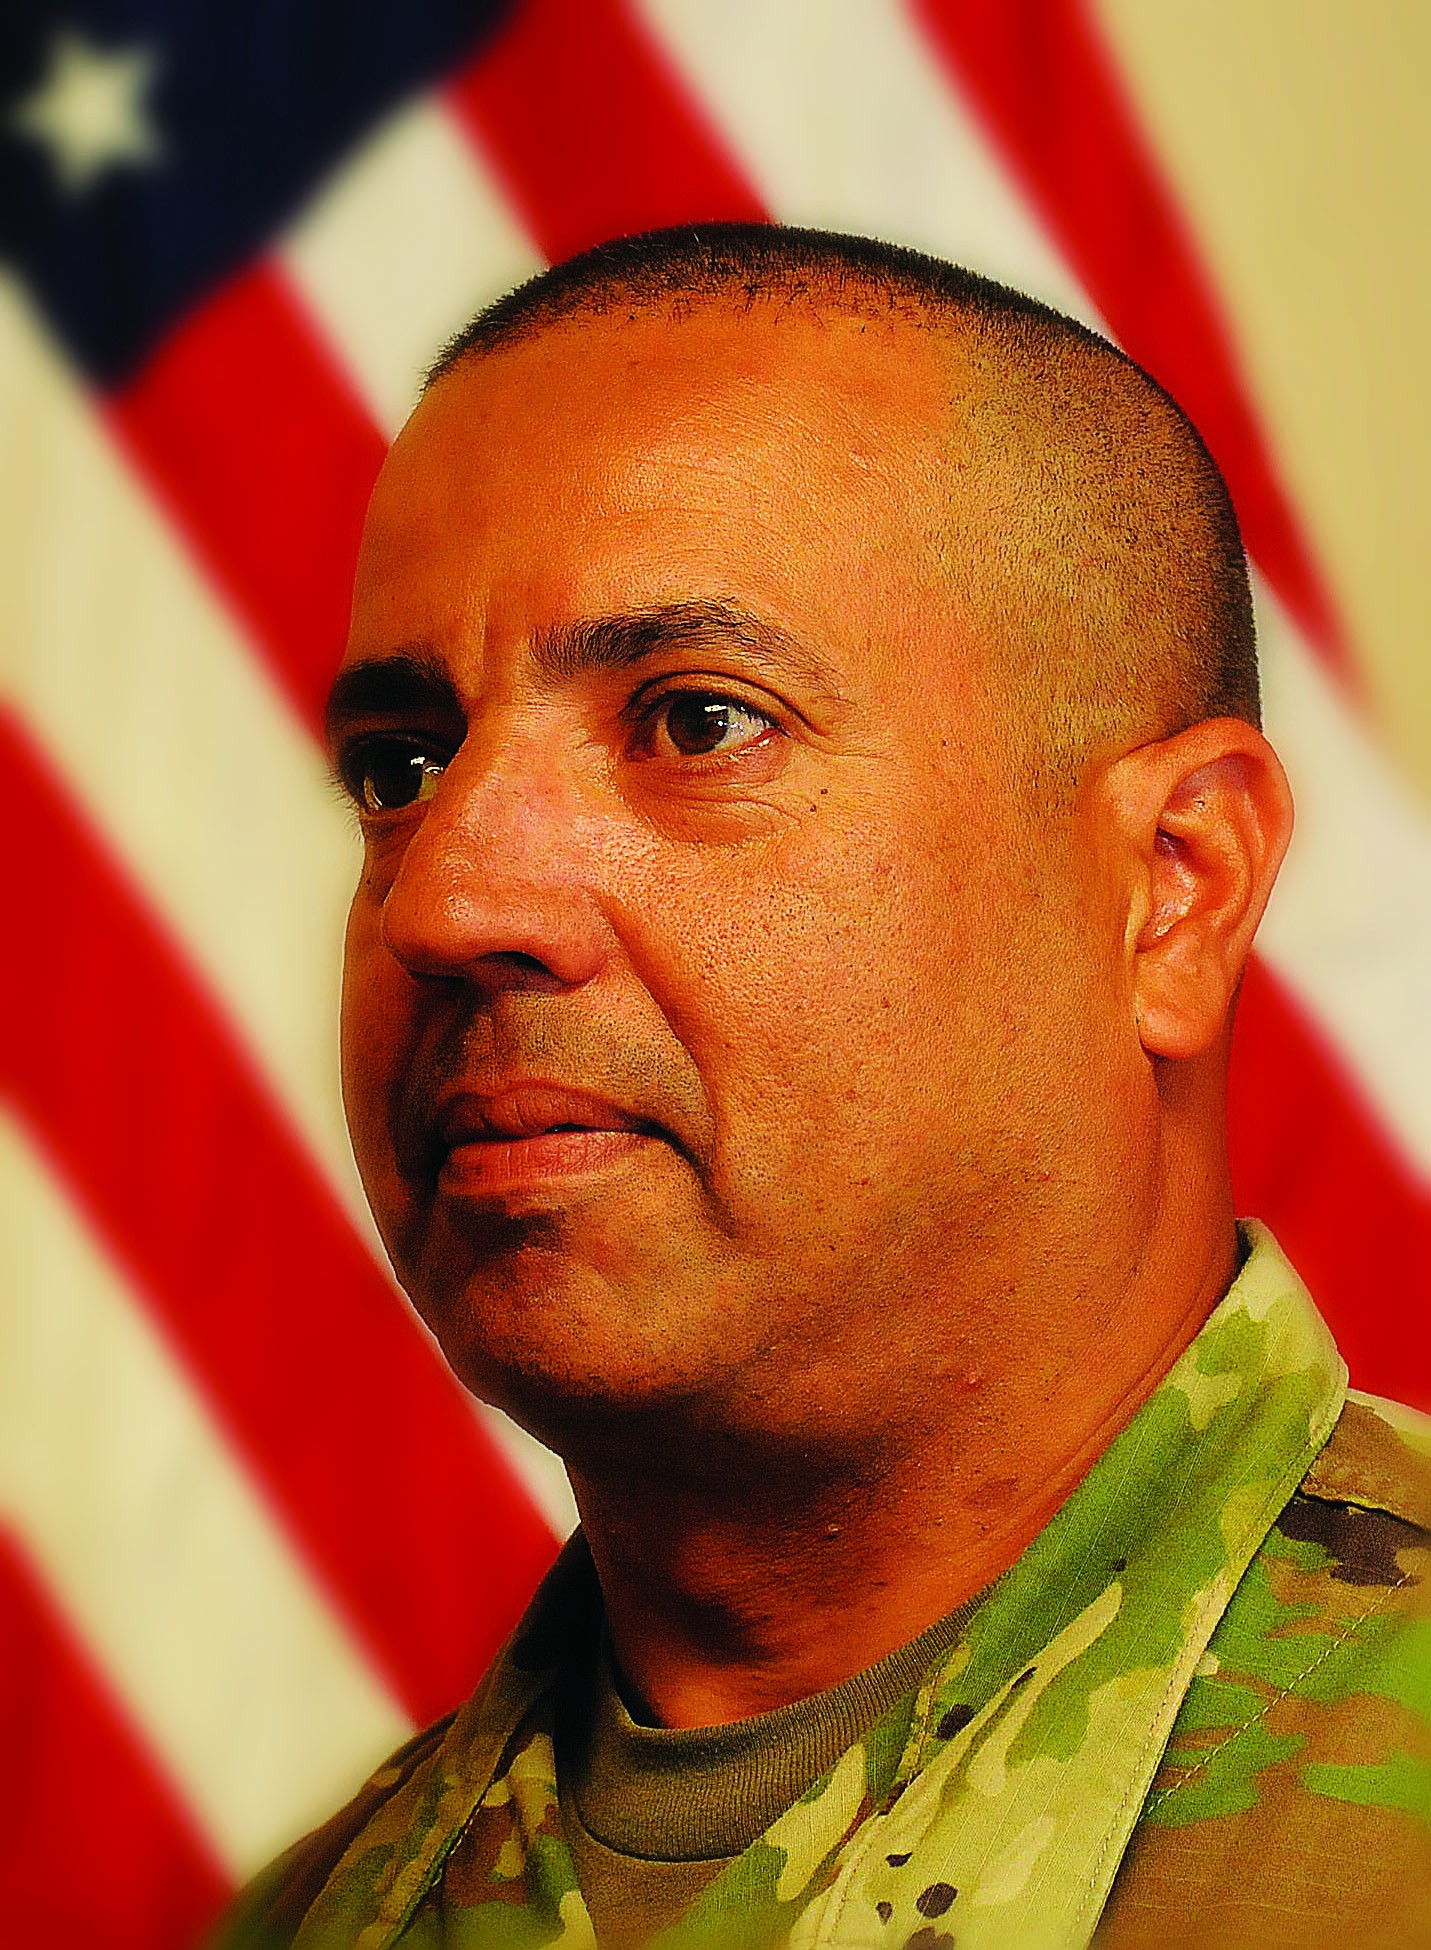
(772, 456)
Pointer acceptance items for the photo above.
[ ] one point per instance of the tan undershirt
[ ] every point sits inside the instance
(652, 1814)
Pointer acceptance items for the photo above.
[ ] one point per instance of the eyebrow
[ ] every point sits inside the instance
(414, 680)
(408, 681)
(617, 642)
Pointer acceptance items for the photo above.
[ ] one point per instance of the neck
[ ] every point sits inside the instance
(740, 1584)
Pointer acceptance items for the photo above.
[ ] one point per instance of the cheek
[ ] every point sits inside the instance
(829, 988)
(378, 1037)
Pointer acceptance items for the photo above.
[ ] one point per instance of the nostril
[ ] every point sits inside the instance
(442, 915)
(516, 973)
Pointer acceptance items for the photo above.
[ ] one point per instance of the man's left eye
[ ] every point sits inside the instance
(693, 723)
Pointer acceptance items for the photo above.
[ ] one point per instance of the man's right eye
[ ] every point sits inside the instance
(389, 774)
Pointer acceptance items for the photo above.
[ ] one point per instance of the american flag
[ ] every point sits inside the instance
(252, 1530)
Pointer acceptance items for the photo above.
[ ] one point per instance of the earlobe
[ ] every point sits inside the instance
(1206, 818)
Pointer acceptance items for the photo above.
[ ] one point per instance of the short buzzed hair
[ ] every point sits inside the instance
(1091, 540)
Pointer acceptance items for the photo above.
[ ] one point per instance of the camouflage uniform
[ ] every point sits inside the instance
(1196, 1711)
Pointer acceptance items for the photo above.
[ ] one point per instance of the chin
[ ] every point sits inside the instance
(561, 1347)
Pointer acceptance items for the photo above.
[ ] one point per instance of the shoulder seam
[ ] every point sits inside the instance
(1368, 1463)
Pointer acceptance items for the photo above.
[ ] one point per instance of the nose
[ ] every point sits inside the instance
(498, 884)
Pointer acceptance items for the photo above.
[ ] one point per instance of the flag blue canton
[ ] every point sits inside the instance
(148, 148)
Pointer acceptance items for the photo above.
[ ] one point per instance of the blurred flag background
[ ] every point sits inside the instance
(250, 1531)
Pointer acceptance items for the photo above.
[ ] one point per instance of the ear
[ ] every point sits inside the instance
(1204, 818)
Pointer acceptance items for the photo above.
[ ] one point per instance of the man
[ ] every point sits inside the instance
(802, 712)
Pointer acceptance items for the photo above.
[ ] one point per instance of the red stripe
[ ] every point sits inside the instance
(1311, 1159)
(252, 438)
(590, 130)
(95, 1847)
(325, 1383)
(1040, 76)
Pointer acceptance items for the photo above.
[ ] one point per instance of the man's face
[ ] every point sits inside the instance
(707, 1019)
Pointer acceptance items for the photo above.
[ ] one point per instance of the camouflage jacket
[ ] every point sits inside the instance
(1196, 1712)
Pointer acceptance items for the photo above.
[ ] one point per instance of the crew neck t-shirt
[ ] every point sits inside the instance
(652, 1814)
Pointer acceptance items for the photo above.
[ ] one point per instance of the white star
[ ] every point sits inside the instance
(89, 111)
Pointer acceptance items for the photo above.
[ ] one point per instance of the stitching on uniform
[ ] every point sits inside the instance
(1205, 1760)
(1110, 1837)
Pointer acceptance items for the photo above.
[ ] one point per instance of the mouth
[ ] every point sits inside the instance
(530, 1135)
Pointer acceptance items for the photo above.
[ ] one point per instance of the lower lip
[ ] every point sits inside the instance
(490, 1165)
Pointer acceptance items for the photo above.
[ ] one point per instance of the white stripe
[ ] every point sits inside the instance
(837, 111)
(255, 1702)
(400, 249)
(841, 119)
(1349, 926)
(166, 729)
